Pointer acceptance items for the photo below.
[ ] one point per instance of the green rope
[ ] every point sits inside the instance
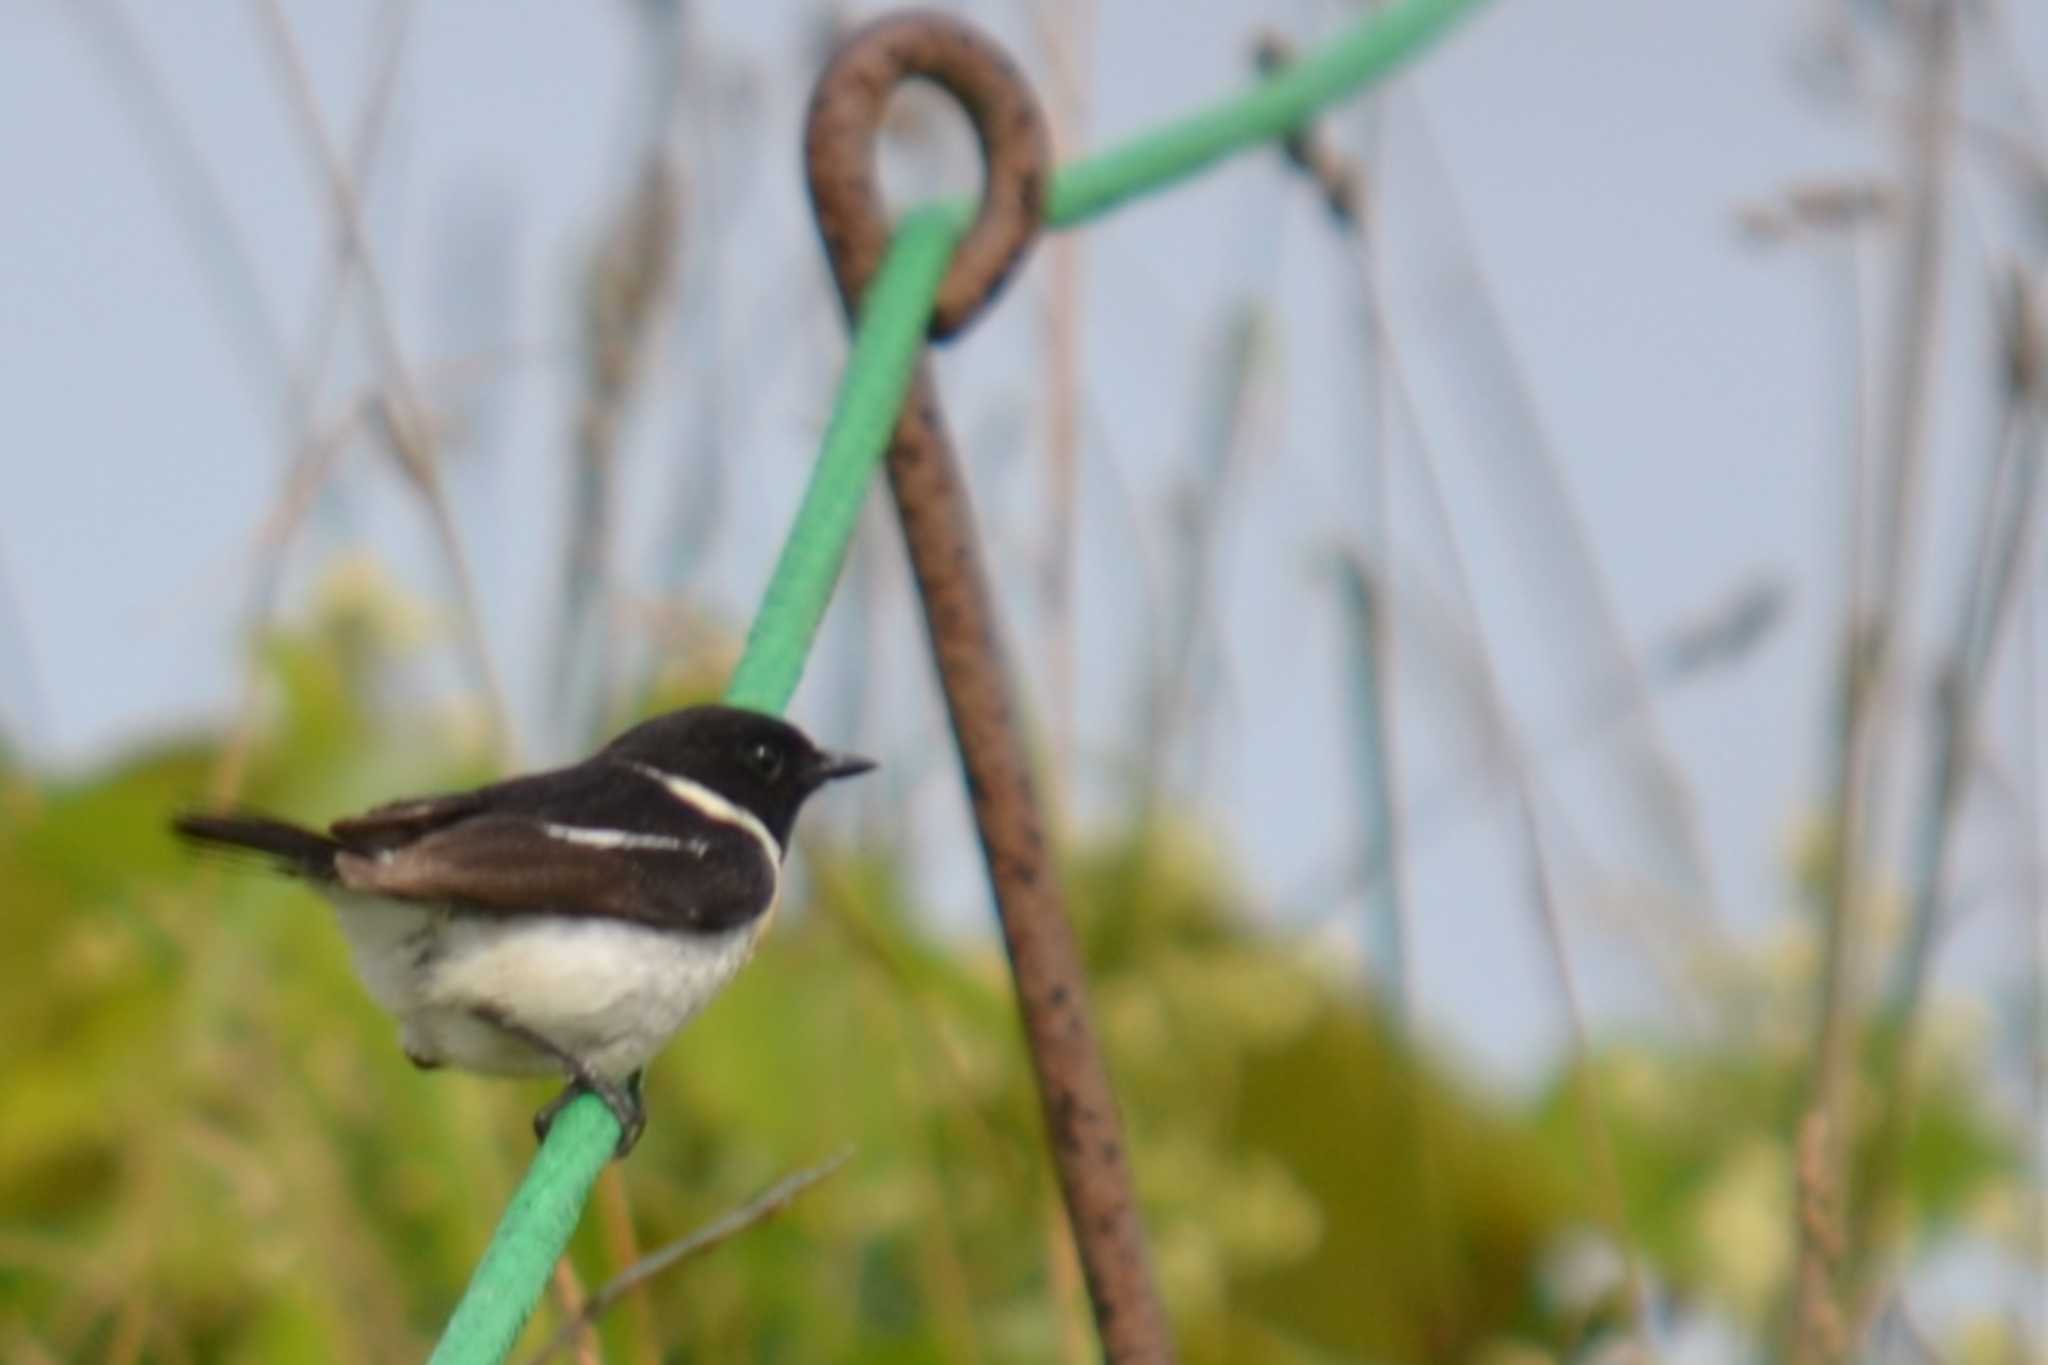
(513, 1274)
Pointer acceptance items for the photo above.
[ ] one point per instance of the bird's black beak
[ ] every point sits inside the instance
(831, 766)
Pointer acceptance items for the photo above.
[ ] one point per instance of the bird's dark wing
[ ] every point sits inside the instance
(396, 823)
(516, 865)
(555, 794)
(310, 853)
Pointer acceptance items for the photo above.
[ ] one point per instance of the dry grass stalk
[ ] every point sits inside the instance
(627, 286)
(1866, 670)
(312, 451)
(19, 665)
(197, 199)
(1338, 182)
(2001, 539)
(1817, 207)
(1546, 512)
(622, 1246)
(569, 1296)
(217, 242)
(1067, 39)
(1224, 444)
(1340, 179)
(2024, 336)
(769, 1203)
(409, 428)
(1591, 1106)
(2034, 897)
(322, 452)
(1821, 1325)
(317, 353)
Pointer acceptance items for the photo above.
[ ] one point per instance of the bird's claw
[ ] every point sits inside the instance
(623, 1100)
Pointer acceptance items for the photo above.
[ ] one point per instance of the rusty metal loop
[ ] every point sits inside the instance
(839, 154)
(1084, 1130)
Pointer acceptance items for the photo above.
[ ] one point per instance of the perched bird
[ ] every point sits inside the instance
(568, 921)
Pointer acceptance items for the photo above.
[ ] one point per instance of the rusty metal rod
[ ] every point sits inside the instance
(1085, 1131)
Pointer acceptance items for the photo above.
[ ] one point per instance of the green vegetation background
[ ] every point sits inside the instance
(213, 1150)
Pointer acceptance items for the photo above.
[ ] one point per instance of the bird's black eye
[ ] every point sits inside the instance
(764, 759)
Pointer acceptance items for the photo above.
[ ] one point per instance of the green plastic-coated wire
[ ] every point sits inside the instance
(514, 1271)
(1273, 108)
(886, 346)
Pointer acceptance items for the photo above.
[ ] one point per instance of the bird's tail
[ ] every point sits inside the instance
(294, 848)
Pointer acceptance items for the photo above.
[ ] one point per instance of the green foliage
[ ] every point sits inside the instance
(1707, 1166)
(214, 1151)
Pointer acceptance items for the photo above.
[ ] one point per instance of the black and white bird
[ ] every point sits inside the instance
(568, 921)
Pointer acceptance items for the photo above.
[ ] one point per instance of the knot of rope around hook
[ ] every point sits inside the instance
(839, 153)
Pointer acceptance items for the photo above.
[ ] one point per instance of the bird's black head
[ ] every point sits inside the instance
(759, 763)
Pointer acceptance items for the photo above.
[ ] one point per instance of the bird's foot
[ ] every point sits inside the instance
(623, 1100)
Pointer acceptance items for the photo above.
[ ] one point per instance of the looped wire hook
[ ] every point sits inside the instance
(1084, 1129)
(840, 132)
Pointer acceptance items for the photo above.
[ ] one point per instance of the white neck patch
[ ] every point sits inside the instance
(701, 798)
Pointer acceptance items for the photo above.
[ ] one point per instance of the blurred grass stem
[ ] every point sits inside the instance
(18, 664)
(1610, 1195)
(569, 1294)
(409, 425)
(1219, 442)
(2034, 924)
(1545, 511)
(316, 352)
(622, 1245)
(2006, 520)
(1066, 34)
(1364, 593)
(766, 1205)
(1866, 666)
(626, 290)
(196, 197)
(309, 454)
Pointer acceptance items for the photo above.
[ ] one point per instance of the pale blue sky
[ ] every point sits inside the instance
(1692, 388)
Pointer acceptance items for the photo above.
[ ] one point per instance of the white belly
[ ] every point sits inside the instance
(602, 990)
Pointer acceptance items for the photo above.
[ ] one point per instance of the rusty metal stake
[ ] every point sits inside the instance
(1086, 1134)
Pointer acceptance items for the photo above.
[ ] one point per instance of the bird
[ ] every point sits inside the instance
(569, 921)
